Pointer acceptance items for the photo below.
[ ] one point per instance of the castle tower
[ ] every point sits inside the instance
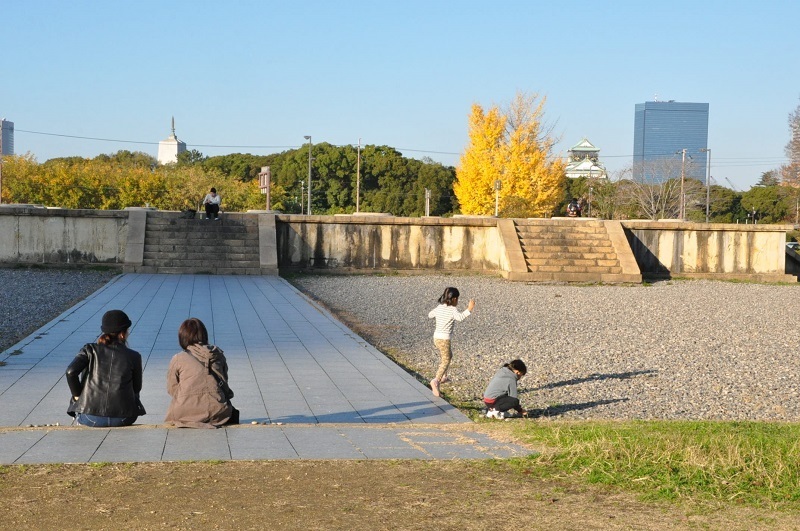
(169, 149)
(583, 160)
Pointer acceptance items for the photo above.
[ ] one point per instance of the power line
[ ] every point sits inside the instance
(753, 161)
(100, 139)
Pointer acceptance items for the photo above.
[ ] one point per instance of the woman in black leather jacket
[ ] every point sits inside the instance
(105, 378)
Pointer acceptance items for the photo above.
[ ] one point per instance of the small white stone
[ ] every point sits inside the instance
(254, 422)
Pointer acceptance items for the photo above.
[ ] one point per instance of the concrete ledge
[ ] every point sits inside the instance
(267, 244)
(134, 244)
(627, 260)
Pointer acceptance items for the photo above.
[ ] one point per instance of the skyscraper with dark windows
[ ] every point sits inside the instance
(661, 131)
(6, 137)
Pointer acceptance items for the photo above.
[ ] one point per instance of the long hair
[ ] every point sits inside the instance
(449, 295)
(192, 332)
(517, 365)
(112, 339)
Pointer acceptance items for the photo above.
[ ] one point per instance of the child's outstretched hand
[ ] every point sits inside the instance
(471, 305)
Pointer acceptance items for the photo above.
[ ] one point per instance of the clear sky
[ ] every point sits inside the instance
(255, 76)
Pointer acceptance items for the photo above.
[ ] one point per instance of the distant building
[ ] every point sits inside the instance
(6, 137)
(663, 129)
(583, 161)
(169, 149)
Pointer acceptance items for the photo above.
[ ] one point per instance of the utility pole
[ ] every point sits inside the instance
(497, 184)
(427, 202)
(358, 177)
(708, 181)
(683, 178)
(301, 198)
(308, 137)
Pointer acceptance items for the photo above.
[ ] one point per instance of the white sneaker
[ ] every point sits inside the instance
(493, 414)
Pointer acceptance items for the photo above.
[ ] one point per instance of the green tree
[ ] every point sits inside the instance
(189, 157)
(768, 202)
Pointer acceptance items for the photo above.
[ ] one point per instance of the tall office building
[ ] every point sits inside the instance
(662, 130)
(6, 137)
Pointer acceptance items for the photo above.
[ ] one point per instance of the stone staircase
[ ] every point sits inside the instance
(172, 244)
(571, 250)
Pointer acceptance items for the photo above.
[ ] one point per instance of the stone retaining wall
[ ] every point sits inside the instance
(370, 242)
(695, 250)
(35, 235)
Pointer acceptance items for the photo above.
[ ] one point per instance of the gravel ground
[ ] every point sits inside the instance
(670, 350)
(30, 298)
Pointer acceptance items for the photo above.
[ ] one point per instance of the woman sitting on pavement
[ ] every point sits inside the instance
(501, 394)
(197, 381)
(105, 378)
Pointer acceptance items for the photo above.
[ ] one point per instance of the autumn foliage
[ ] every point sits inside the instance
(514, 147)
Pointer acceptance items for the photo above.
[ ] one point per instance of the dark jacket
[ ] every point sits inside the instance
(108, 379)
(197, 381)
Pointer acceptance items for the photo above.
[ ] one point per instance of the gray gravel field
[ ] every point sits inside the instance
(670, 350)
(30, 298)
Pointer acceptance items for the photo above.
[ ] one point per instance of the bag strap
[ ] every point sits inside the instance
(212, 370)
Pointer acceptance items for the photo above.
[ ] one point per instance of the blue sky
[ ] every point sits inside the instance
(400, 73)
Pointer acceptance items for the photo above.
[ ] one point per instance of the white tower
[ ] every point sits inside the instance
(169, 149)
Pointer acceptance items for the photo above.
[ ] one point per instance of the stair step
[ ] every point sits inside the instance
(571, 262)
(576, 277)
(566, 249)
(573, 269)
(178, 262)
(570, 255)
(575, 244)
(556, 229)
(207, 257)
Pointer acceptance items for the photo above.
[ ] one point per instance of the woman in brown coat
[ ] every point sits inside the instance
(197, 381)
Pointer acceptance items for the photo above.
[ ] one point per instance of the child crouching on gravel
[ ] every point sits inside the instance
(501, 394)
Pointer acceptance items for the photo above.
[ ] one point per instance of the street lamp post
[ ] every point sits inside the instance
(308, 210)
(358, 177)
(708, 181)
(302, 196)
(683, 178)
(497, 184)
(1, 176)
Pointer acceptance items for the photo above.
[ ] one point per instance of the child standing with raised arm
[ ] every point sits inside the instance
(446, 314)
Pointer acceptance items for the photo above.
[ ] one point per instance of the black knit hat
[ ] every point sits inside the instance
(115, 321)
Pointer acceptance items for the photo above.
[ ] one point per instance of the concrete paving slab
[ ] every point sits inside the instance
(292, 365)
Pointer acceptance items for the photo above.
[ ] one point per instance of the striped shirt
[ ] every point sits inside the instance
(446, 316)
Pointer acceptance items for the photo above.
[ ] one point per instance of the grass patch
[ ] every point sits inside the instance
(750, 463)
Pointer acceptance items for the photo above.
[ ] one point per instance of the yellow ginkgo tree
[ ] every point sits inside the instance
(514, 147)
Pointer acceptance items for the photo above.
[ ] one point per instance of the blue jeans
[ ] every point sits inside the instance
(93, 421)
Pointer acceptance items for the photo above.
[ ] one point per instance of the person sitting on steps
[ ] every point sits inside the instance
(574, 208)
(212, 202)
